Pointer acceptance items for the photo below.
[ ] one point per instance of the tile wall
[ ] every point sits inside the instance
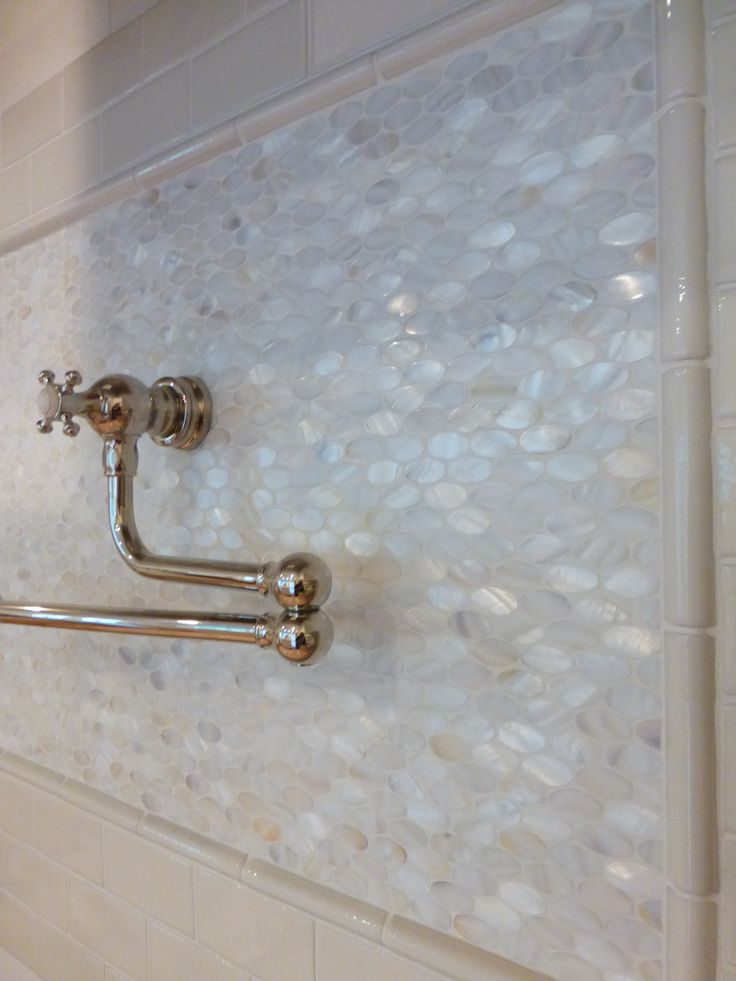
(722, 146)
(92, 89)
(451, 278)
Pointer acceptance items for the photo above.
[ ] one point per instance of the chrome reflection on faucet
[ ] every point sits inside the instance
(175, 412)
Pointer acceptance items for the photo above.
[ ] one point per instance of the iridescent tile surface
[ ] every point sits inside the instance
(428, 320)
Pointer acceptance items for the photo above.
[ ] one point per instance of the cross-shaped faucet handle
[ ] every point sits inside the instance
(49, 402)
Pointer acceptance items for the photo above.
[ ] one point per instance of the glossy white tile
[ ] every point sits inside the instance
(689, 591)
(690, 758)
(682, 233)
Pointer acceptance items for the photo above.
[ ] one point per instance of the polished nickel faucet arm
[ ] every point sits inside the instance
(174, 412)
(297, 637)
(205, 572)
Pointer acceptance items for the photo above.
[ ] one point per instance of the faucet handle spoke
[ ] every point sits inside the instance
(49, 402)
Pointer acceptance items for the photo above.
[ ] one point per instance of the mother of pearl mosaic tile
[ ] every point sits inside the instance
(428, 320)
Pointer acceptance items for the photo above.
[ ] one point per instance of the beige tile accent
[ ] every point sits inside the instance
(69, 836)
(15, 193)
(307, 98)
(729, 899)
(145, 121)
(345, 27)
(174, 958)
(67, 165)
(726, 491)
(448, 955)
(689, 587)
(690, 760)
(64, 29)
(340, 956)
(12, 969)
(209, 853)
(104, 73)
(196, 150)
(109, 927)
(33, 773)
(682, 234)
(727, 629)
(451, 32)
(89, 798)
(726, 353)
(725, 219)
(33, 121)
(122, 12)
(728, 784)
(258, 934)
(724, 74)
(315, 899)
(35, 881)
(177, 29)
(16, 807)
(150, 878)
(679, 47)
(252, 64)
(694, 924)
(43, 948)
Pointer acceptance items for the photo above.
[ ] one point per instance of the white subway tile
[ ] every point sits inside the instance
(340, 956)
(69, 836)
(149, 877)
(252, 64)
(89, 798)
(690, 761)
(194, 846)
(104, 73)
(722, 8)
(451, 32)
(728, 886)
(15, 193)
(64, 31)
(725, 326)
(725, 468)
(689, 589)
(145, 121)
(691, 926)
(724, 73)
(11, 969)
(35, 881)
(33, 121)
(43, 948)
(451, 956)
(258, 934)
(33, 773)
(66, 166)
(16, 807)
(341, 28)
(680, 52)
(725, 219)
(174, 958)
(317, 900)
(308, 98)
(177, 29)
(728, 739)
(108, 927)
(682, 241)
(727, 628)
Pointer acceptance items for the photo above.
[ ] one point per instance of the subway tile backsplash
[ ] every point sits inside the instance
(428, 319)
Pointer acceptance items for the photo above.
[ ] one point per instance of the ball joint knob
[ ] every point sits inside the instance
(300, 581)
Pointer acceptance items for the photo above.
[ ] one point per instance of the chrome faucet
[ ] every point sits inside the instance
(175, 412)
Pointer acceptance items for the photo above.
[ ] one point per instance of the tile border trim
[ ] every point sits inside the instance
(689, 618)
(412, 941)
(299, 100)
